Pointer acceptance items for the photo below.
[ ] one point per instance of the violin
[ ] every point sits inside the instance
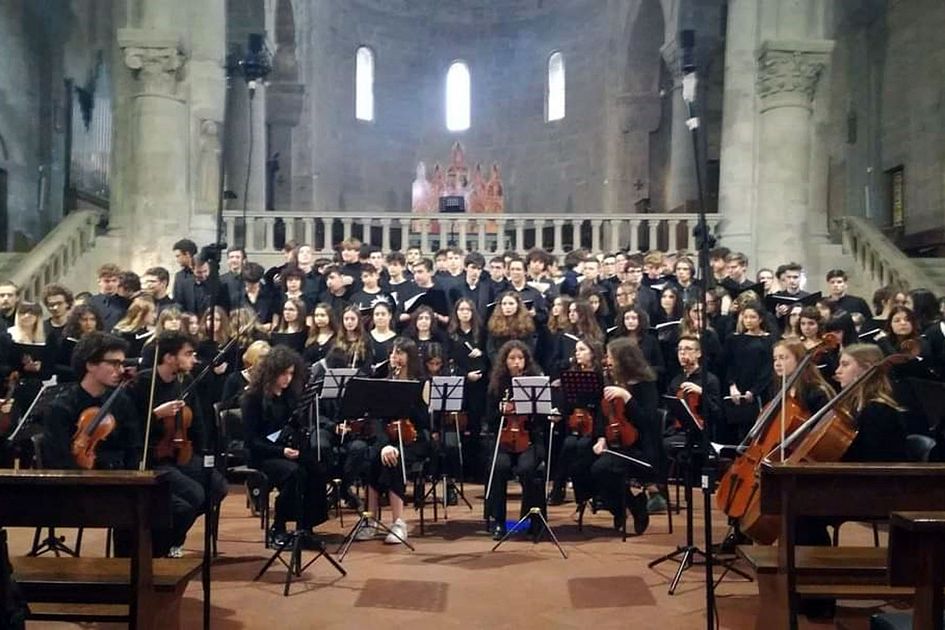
(581, 422)
(457, 420)
(94, 425)
(692, 400)
(515, 437)
(6, 417)
(175, 443)
(618, 429)
(402, 430)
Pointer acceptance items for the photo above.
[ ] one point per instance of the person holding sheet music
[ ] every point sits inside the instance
(514, 359)
(322, 335)
(634, 382)
(468, 355)
(747, 360)
(274, 442)
(422, 331)
(381, 336)
(575, 456)
(176, 360)
(384, 453)
(29, 352)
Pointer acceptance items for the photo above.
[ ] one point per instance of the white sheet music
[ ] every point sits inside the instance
(524, 387)
(446, 393)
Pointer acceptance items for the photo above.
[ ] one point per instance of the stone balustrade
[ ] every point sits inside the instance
(55, 255)
(486, 233)
(878, 258)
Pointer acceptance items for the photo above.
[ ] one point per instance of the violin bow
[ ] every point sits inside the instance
(142, 465)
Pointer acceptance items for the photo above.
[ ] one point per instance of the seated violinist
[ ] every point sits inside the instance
(384, 445)
(275, 446)
(634, 384)
(97, 364)
(576, 456)
(178, 432)
(514, 359)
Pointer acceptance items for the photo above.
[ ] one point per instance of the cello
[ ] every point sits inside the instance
(825, 437)
(738, 487)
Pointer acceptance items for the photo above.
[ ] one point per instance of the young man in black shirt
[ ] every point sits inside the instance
(155, 281)
(179, 464)
(97, 363)
(837, 283)
(371, 292)
(107, 303)
(473, 285)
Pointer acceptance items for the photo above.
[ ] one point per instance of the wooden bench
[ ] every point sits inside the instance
(141, 590)
(917, 559)
(833, 491)
(60, 589)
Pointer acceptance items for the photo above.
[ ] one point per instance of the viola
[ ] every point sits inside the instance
(94, 425)
(581, 422)
(175, 444)
(692, 400)
(6, 417)
(402, 431)
(619, 431)
(514, 437)
(456, 420)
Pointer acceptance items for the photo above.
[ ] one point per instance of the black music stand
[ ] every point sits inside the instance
(531, 396)
(686, 554)
(298, 540)
(383, 399)
(446, 396)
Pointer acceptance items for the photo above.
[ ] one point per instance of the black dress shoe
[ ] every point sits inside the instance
(641, 517)
(310, 541)
(498, 533)
(557, 496)
(278, 538)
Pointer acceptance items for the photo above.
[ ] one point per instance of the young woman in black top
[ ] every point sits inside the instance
(810, 389)
(634, 382)
(274, 447)
(575, 456)
(354, 341)
(381, 335)
(291, 331)
(421, 329)
(634, 322)
(510, 321)
(512, 360)
(384, 452)
(322, 334)
(747, 361)
(468, 357)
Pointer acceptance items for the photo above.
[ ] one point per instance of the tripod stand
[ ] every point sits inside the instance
(300, 539)
(688, 554)
(534, 513)
(446, 397)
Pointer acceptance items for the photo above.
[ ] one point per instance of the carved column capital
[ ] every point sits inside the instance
(155, 59)
(788, 72)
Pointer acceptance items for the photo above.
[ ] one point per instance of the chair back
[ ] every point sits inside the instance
(919, 447)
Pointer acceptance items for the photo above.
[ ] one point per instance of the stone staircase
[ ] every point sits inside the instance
(934, 268)
(8, 263)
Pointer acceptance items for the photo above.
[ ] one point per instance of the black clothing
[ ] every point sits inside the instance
(110, 308)
(233, 387)
(854, 304)
(315, 352)
(118, 451)
(481, 295)
(748, 365)
(710, 402)
(294, 340)
(266, 303)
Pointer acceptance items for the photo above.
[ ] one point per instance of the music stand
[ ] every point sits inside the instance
(298, 540)
(446, 396)
(531, 395)
(686, 554)
(381, 399)
(334, 386)
(579, 388)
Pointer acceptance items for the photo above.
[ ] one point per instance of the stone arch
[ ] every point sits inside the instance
(645, 37)
(285, 62)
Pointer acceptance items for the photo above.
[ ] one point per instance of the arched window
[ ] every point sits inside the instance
(364, 85)
(556, 85)
(458, 92)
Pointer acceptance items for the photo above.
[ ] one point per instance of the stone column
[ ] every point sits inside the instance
(158, 158)
(788, 72)
(739, 130)
(238, 128)
(681, 179)
(283, 108)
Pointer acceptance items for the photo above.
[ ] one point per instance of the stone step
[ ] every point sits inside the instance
(8, 262)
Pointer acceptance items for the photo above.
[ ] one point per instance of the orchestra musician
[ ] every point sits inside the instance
(514, 359)
(384, 452)
(634, 382)
(97, 365)
(576, 455)
(180, 465)
(237, 382)
(275, 446)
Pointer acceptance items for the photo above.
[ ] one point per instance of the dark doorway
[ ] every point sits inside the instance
(4, 219)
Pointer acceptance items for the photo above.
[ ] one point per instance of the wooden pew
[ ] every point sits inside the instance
(86, 589)
(917, 558)
(854, 491)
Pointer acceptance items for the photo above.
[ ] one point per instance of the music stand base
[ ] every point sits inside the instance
(546, 528)
(366, 519)
(294, 567)
(55, 545)
(686, 557)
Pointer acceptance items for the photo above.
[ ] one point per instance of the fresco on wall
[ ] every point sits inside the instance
(482, 194)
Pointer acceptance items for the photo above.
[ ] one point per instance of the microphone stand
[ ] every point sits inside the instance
(690, 82)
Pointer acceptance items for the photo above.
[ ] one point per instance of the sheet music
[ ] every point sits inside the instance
(524, 387)
(335, 380)
(446, 393)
